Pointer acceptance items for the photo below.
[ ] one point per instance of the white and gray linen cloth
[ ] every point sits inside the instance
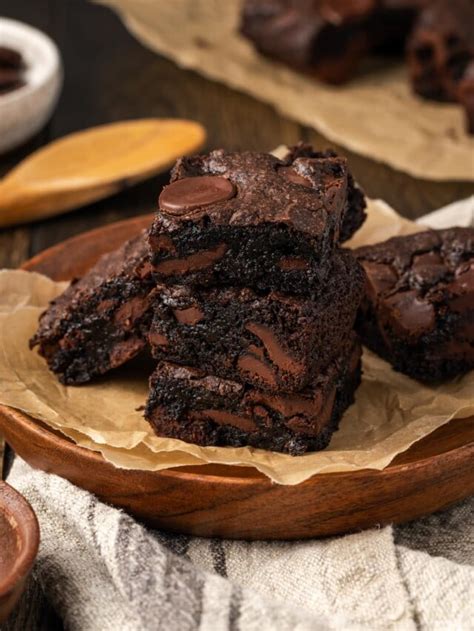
(99, 570)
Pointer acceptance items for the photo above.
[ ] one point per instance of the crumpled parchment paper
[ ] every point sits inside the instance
(391, 411)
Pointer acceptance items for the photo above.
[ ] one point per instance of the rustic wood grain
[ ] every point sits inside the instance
(237, 502)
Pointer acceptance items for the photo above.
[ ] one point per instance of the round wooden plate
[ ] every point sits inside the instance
(237, 502)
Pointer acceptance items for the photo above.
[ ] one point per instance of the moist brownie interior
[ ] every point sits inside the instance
(187, 404)
(271, 340)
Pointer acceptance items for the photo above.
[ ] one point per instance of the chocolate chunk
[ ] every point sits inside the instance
(381, 278)
(408, 313)
(187, 195)
(292, 176)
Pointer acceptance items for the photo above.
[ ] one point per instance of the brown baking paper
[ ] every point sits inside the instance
(375, 115)
(391, 411)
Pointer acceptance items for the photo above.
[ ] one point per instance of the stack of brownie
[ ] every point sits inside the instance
(242, 293)
(256, 303)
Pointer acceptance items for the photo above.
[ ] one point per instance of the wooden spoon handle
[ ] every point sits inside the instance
(21, 204)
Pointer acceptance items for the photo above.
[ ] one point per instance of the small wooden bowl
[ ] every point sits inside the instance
(239, 502)
(19, 541)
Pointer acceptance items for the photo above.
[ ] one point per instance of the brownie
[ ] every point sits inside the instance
(441, 47)
(418, 310)
(11, 70)
(328, 38)
(273, 341)
(187, 404)
(250, 219)
(101, 320)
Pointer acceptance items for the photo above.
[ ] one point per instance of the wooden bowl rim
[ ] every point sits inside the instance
(13, 504)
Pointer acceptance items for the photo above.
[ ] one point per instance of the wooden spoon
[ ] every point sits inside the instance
(93, 164)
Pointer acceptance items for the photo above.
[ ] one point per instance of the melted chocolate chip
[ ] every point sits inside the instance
(410, 314)
(187, 194)
(292, 176)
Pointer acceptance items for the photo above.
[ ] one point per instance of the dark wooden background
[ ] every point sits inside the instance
(109, 76)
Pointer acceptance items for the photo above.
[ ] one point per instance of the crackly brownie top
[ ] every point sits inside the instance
(248, 189)
(415, 275)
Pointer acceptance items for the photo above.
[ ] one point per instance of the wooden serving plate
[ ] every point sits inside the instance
(19, 540)
(238, 502)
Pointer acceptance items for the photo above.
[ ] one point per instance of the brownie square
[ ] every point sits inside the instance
(272, 341)
(101, 320)
(252, 220)
(418, 309)
(328, 39)
(187, 404)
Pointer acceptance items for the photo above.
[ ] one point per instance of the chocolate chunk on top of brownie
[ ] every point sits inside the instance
(441, 48)
(418, 311)
(250, 219)
(187, 404)
(100, 321)
(273, 341)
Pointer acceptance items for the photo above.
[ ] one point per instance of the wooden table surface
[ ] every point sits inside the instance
(109, 76)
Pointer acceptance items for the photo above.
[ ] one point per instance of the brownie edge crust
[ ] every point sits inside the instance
(188, 405)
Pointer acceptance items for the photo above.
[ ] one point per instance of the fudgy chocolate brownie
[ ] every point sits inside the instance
(11, 70)
(273, 341)
(187, 404)
(327, 38)
(418, 311)
(250, 219)
(441, 47)
(101, 320)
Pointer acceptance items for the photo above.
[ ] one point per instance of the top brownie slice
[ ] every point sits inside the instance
(418, 311)
(101, 320)
(250, 219)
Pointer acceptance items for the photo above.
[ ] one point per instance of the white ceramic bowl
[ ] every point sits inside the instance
(23, 112)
